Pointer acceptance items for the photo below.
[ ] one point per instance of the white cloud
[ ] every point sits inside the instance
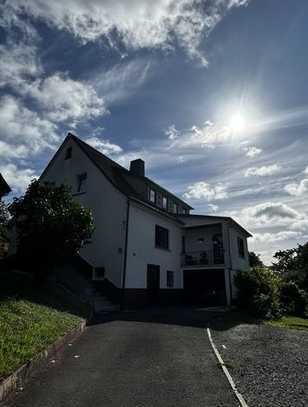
(23, 129)
(252, 151)
(172, 133)
(306, 170)
(213, 208)
(104, 146)
(137, 23)
(272, 215)
(18, 62)
(17, 178)
(122, 80)
(203, 190)
(276, 237)
(12, 151)
(65, 99)
(264, 171)
(297, 189)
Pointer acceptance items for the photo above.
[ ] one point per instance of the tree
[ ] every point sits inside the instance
(254, 260)
(4, 218)
(287, 261)
(50, 225)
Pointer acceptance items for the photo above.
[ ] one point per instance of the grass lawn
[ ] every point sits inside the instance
(30, 320)
(291, 322)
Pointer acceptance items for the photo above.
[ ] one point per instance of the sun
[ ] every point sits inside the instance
(237, 122)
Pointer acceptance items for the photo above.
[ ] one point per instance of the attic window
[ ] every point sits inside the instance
(165, 202)
(68, 153)
(82, 182)
(152, 195)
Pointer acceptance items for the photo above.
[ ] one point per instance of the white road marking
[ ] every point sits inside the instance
(226, 372)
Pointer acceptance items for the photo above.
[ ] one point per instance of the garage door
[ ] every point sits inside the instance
(205, 287)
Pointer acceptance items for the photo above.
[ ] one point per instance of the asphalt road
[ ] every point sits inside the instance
(136, 359)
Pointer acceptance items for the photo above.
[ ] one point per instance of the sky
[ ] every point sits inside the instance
(212, 94)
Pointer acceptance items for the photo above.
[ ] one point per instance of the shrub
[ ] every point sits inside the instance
(259, 292)
(294, 299)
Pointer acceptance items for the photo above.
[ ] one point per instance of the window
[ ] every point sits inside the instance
(68, 153)
(183, 244)
(170, 279)
(152, 195)
(161, 237)
(165, 202)
(81, 182)
(240, 245)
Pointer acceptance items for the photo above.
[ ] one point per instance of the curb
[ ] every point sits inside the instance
(21, 376)
(237, 394)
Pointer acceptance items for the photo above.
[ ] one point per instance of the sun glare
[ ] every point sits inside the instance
(237, 123)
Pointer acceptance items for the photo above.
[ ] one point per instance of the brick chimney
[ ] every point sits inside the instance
(137, 167)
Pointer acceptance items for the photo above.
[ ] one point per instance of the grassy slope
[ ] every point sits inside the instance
(29, 320)
(291, 322)
(27, 328)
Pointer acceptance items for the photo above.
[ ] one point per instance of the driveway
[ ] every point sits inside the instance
(135, 359)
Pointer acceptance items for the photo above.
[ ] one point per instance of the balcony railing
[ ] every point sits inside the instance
(203, 258)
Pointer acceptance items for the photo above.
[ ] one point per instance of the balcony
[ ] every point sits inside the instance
(203, 258)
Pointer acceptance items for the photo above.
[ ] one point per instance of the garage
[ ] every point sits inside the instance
(205, 287)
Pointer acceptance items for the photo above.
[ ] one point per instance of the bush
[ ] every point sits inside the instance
(259, 292)
(294, 299)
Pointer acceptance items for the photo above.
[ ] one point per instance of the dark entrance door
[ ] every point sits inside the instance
(205, 287)
(153, 283)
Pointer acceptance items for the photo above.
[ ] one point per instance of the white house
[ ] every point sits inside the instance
(147, 247)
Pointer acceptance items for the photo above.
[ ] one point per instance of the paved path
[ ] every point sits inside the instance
(153, 358)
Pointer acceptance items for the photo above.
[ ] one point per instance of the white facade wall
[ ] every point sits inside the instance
(238, 263)
(108, 206)
(141, 249)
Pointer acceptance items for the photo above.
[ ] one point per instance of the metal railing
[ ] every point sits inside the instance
(203, 258)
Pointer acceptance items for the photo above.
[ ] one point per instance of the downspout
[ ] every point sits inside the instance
(231, 266)
(122, 302)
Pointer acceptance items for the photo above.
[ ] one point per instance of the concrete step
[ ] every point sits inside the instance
(102, 304)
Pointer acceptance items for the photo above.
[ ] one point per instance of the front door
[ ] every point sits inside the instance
(153, 283)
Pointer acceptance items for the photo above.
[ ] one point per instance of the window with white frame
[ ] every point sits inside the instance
(165, 202)
(152, 195)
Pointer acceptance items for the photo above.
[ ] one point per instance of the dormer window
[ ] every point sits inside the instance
(82, 182)
(68, 153)
(152, 195)
(165, 202)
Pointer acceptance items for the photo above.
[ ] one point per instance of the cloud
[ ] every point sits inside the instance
(276, 237)
(23, 129)
(297, 189)
(264, 171)
(17, 178)
(104, 146)
(136, 24)
(202, 190)
(65, 99)
(18, 62)
(306, 170)
(172, 133)
(122, 80)
(272, 215)
(213, 208)
(252, 151)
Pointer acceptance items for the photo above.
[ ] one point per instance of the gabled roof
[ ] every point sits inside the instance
(119, 176)
(4, 187)
(214, 218)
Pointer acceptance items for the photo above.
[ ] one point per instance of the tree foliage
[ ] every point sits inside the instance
(50, 224)
(254, 260)
(293, 264)
(259, 292)
(4, 219)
